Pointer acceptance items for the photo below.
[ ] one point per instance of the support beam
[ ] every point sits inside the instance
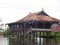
(40, 37)
(31, 37)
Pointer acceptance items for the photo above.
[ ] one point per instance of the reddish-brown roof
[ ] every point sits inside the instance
(40, 16)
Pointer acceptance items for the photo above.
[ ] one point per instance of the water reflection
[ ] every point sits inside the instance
(38, 41)
(4, 40)
(47, 41)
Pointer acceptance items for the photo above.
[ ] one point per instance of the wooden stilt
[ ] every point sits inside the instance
(31, 38)
(19, 37)
(40, 37)
(28, 40)
(36, 36)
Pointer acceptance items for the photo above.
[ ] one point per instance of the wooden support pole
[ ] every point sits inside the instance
(43, 34)
(36, 36)
(31, 38)
(17, 38)
(28, 39)
(40, 37)
(20, 38)
(24, 33)
(50, 33)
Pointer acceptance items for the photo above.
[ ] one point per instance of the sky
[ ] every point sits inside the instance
(13, 10)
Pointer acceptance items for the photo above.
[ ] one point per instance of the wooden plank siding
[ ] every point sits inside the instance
(16, 29)
(56, 29)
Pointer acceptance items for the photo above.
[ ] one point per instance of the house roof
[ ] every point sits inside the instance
(38, 16)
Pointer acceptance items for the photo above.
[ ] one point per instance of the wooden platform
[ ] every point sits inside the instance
(38, 30)
(42, 30)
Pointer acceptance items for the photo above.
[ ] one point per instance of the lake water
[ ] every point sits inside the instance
(4, 40)
(38, 41)
(45, 41)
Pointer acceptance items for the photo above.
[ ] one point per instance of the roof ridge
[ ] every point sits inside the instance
(42, 12)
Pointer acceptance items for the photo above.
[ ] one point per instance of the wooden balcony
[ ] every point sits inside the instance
(37, 30)
(42, 30)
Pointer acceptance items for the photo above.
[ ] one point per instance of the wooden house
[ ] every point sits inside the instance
(35, 24)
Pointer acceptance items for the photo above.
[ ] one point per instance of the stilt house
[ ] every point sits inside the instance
(38, 24)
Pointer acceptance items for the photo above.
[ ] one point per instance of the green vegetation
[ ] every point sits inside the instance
(14, 35)
(57, 37)
(6, 32)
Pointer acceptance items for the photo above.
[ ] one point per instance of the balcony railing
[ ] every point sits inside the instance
(29, 29)
(37, 29)
(15, 29)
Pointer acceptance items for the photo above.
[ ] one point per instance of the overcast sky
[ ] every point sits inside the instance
(12, 10)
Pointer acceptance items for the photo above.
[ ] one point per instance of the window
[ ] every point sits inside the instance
(47, 25)
(39, 25)
(17, 25)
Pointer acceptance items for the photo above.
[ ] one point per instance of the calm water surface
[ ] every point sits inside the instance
(38, 41)
(4, 40)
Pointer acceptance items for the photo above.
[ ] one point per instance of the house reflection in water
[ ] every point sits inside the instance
(35, 29)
